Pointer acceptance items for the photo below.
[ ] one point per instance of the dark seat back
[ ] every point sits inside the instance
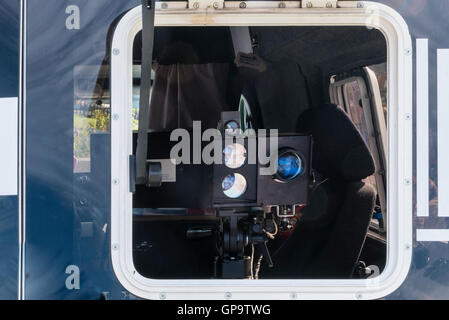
(277, 96)
(339, 151)
(328, 240)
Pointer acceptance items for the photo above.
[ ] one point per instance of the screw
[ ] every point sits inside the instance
(115, 116)
(164, 5)
(162, 296)
(407, 247)
(407, 182)
(358, 296)
(360, 5)
(115, 246)
(408, 51)
(196, 5)
(115, 182)
(242, 5)
(282, 5)
(293, 296)
(116, 52)
(408, 116)
(228, 295)
(309, 5)
(216, 5)
(83, 202)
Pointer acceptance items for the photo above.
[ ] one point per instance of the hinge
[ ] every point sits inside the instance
(319, 4)
(206, 4)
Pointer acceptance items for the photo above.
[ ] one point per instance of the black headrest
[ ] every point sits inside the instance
(339, 150)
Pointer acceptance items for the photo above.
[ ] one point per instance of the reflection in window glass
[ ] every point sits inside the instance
(381, 74)
(91, 111)
(136, 94)
(354, 107)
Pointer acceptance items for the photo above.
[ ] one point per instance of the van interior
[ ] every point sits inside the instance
(300, 81)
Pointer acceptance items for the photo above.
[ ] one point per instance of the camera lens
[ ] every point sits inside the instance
(232, 127)
(234, 156)
(289, 166)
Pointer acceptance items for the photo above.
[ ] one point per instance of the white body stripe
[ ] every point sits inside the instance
(422, 124)
(432, 235)
(9, 146)
(443, 132)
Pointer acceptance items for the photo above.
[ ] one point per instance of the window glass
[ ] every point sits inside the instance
(91, 111)
(136, 94)
(172, 214)
(354, 108)
(381, 73)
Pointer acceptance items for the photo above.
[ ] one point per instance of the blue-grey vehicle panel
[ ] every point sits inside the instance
(9, 87)
(67, 213)
(429, 273)
(68, 198)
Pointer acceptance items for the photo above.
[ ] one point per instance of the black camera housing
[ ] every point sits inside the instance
(274, 191)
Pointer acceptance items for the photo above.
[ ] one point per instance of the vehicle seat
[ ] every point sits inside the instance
(277, 96)
(330, 235)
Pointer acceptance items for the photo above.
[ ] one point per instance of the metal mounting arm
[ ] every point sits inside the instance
(148, 7)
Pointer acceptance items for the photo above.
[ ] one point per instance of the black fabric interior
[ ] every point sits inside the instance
(162, 250)
(300, 61)
(191, 189)
(338, 257)
(191, 45)
(339, 150)
(320, 52)
(184, 93)
(279, 103)
(195, 78)
(328, 240)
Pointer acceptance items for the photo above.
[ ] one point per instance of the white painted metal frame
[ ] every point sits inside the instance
(422, 128)
(9, 146)
(399, 175)
(443, 131)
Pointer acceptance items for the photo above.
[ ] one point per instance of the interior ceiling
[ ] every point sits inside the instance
(328, 48)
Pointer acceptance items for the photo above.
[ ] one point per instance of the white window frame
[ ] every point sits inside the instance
(399, 175)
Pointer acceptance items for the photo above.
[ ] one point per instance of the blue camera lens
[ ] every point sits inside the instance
(289, 166)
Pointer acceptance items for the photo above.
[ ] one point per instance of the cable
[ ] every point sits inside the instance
(276, 230)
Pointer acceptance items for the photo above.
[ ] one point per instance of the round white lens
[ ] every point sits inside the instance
(234, 185)
(234, 156)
